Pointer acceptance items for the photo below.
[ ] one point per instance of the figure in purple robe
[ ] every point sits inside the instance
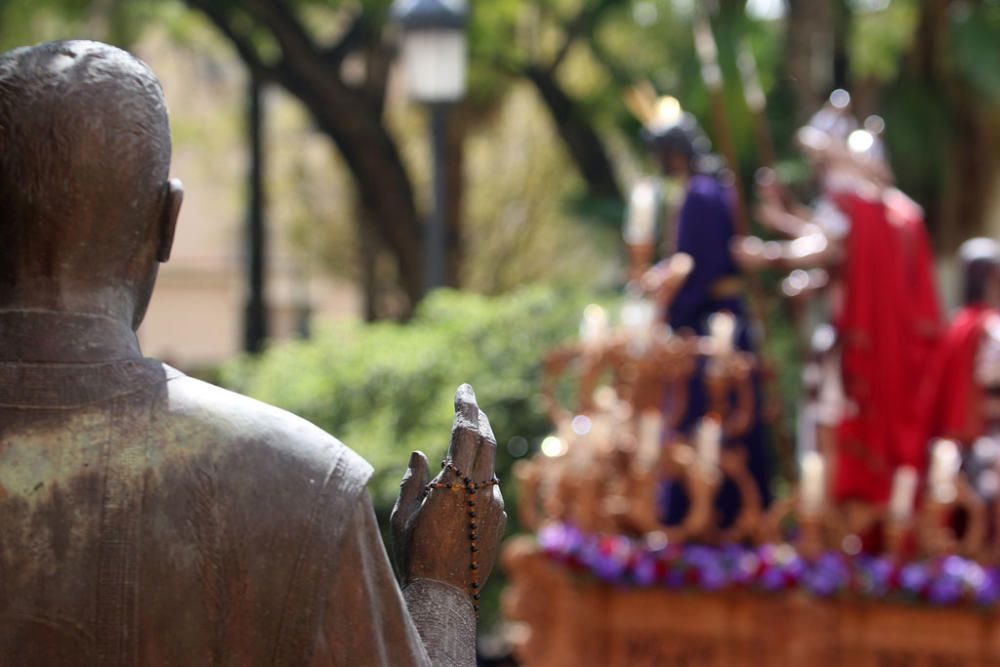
(704, 230)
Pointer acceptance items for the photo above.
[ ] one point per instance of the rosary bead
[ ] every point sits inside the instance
(464, 483)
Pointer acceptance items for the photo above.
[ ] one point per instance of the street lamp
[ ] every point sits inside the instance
(434, 48)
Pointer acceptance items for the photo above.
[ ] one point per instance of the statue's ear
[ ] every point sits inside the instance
(168, 220)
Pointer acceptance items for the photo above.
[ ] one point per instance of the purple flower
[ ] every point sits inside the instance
(875, 575)
(621, 560)
(644, 571)
(713, 577)
(607, 567)
(793, 568)
(675, 577)
(988, 592)
(914, 578)
(773, 579)
(767, 554)
(827, 575)
(945, 589)
(699, 555)
(560, 539)
(744, 569)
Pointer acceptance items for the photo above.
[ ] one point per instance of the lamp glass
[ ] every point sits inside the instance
(435, 62)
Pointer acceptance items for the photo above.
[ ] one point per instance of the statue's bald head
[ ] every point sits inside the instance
(84, 162)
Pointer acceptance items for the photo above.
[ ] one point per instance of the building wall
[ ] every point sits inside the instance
(195, 317)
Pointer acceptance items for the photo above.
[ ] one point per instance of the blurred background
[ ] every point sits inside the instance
(301, 273)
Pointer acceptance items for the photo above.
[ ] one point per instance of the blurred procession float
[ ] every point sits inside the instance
(657, 536)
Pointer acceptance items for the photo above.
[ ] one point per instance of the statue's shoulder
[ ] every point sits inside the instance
(255, 433)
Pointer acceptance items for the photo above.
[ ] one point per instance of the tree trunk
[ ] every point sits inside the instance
(368, 256)
(351, 116)
(455, 206)
(962, 200)
(809, 53)
(377, 168)
(255, 324)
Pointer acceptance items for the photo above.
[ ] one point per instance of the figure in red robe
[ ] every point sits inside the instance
(950, 399)
(871, 240)
(889, 324)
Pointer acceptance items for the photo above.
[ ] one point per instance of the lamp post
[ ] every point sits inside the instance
(434, 48)
(255, 329)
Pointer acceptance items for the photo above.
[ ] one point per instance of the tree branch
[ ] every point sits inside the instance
(623, 78)
(379, 64)
(241, 42)
(291, 36)
(357, 34)
(579, 25)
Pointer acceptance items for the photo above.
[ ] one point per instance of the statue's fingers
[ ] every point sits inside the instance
(486, 450)
(465, 431)
(411, 495)
(498, 506)
(498, 499)
(502, 527)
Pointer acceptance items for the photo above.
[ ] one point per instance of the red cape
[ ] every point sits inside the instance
(949, 397)
(889, 324)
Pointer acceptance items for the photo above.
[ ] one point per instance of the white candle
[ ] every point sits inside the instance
(638, 318)
(988, 357)
(904, 490)
(650, 437)
(722, 328)
(812, 488)
(708, 443)
(945, 464)
(640, 223)
(594, 326)
(805, 429)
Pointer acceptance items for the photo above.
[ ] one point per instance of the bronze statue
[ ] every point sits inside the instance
(147, 518)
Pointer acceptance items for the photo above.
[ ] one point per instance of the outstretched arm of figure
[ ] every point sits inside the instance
(666, 278)
(446, 533)
(776, 208)
(774, 215)
(812, 250)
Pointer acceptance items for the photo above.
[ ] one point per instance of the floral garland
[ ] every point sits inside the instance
(618, 559)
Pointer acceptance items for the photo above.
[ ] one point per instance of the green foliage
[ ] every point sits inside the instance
(975, 36)
(881, 38)
(518, 227)
(118, 22)
(387, 389)
(919, 127)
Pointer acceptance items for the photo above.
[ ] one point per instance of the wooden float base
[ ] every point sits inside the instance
(561, 619)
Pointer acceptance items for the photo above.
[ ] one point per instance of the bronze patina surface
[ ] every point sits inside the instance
(147, 518)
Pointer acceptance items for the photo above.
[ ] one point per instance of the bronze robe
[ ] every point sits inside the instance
(147, 518)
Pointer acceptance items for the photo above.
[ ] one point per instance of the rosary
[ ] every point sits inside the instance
(470, 488)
